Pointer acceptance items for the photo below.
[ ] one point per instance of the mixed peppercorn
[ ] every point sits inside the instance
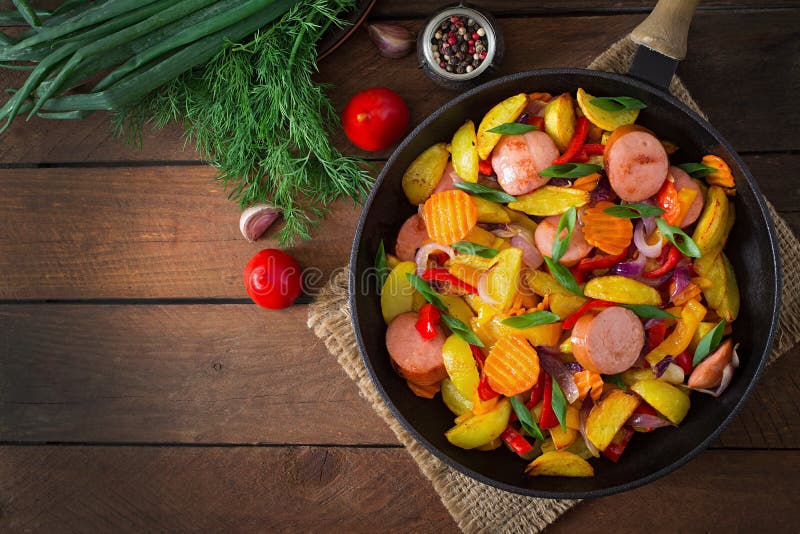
(459, 45)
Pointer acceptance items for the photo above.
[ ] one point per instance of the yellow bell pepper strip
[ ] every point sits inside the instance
(691, 315)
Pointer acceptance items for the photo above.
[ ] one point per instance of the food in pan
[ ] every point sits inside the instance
(563, 284)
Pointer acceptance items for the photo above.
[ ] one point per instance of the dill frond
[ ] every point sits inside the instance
(255, 114)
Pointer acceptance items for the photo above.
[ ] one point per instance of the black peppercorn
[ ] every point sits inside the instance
(459, 44)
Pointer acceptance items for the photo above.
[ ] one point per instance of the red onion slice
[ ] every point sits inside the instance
(681, 277)
(661, 366)
(425, 251)
(530, 254)
(586, 407)
(563, 376)
(646, 420)
(574, 367)
(483, 290)
(640, 240)
(629, 269)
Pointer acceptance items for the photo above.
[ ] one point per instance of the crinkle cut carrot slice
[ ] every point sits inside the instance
(512, 366)
(449, 216)
(610, 234)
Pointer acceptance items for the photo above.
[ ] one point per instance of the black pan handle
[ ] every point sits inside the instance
(662, 41)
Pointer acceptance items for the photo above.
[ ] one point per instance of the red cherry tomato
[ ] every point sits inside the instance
(272, 279)
(375, 118)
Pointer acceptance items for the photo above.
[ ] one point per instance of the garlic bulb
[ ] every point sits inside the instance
(255, 220)
(392, 40)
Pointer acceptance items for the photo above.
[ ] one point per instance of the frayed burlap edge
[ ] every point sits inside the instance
(476, 507)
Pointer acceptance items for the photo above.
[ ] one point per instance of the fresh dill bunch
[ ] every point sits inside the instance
(255, 114)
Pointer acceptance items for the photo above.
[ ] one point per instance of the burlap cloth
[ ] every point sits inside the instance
(477, 507)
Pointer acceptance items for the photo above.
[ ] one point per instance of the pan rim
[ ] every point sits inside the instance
(700, 447)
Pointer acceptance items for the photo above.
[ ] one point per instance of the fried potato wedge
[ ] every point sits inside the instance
(508, 110)
(560, 464)
(559, 120)
(424, 173)
(622, 290)
(666, 398)
(465, 152)
(550, 200)
(608, 416)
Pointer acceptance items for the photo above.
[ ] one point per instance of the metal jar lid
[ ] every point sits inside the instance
(488, 66)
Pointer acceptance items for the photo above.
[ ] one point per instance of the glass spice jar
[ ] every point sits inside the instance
(460, 47)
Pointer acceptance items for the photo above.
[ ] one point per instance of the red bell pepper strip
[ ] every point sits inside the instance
(599, 261)
(485, 167)
(570, 321)
(537, 391)
(485, 391)
(594, 149)
(618, 444)
(516, 441)
(427, 320)
(575, 144)
(656, 333)
(537, 121)
(477, 353)
(667, 199)
(673, 257)
(548, 417)
(439, 274)
(580, 157)
(684, 360)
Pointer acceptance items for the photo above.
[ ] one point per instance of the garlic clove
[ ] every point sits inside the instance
(255, 220)
(392, 41)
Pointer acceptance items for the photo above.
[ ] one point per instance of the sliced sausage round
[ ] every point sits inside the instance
(636, 163)
(683, 180)
(545, 234)
(448, 180)
(609, 342)
(411, 236)
(414, 358)
(518, 159)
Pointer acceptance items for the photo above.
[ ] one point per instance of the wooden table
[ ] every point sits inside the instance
(140, 390)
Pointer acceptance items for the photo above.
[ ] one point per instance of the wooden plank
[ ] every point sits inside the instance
(244, 489)
(517, 8)
(137, 232)
(164, 232)
(721, 491)
(142, 489)
(727, 49)
(228, 374)
(174, 373)
(413, 8)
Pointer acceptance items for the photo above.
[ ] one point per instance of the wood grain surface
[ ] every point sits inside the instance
(228, 374)
(746, 62)
(302, 489)
(140, 391)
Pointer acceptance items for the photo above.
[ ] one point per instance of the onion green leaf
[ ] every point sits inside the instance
(569, 170)
(513, 128)
(486, 193)
(678, 237)
(529, 320)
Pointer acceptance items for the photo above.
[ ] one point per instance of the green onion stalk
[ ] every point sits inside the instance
(235, 73)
